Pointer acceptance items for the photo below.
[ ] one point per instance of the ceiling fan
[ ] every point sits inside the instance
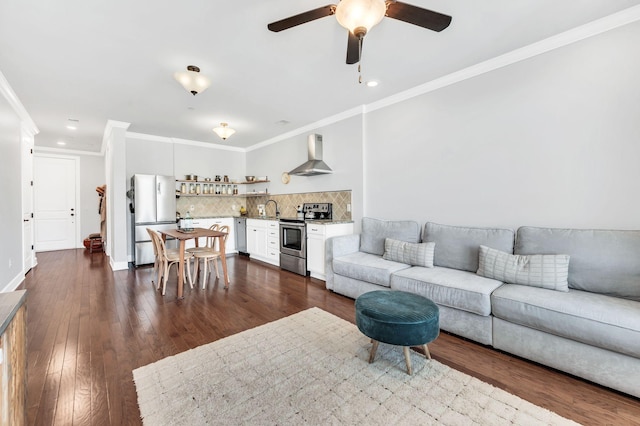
(359, 16)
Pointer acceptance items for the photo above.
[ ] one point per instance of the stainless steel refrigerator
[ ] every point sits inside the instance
(153, 205)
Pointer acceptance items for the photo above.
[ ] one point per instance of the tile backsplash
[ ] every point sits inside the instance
(230, 206)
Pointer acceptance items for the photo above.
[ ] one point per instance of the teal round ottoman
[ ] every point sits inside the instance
(397, 318)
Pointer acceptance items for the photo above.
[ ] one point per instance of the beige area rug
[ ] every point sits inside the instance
(312, 367)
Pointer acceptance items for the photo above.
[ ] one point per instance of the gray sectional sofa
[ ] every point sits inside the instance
(566, 298)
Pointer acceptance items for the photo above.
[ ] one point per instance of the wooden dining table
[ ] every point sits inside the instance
(182, 236)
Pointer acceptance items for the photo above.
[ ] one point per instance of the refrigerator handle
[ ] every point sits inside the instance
(159, 191)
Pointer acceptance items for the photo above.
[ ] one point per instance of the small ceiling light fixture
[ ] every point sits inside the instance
(61, 143)
(192, 80)
(372, 83)
(224, 131)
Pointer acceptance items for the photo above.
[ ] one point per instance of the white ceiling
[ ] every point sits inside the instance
(114, 60)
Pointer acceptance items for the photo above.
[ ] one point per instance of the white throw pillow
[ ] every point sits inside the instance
(415, 254)
(549, 271)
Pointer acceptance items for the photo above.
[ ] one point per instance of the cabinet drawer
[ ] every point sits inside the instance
(315, 229)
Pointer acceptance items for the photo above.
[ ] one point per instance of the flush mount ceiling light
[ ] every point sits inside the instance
(192, 80)
(224, 131)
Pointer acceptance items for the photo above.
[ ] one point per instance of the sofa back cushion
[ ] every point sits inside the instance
(602, 261)
(457, 246)
(375, 231)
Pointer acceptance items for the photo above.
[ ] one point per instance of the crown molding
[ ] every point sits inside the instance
(111, 124)
(44, 149)
(28, 124)
(309, 127)
(574, 35)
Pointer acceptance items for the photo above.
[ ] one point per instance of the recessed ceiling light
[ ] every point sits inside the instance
(72, 124)
(372, 83)
(61, 143)
(282, 122)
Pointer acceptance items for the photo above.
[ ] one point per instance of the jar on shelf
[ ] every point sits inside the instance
(198, 188)
(192, 188)
(235, 189)
(183, 188)
(217, 189)
(205, 188)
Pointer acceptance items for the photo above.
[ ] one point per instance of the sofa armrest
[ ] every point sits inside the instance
(336, 247)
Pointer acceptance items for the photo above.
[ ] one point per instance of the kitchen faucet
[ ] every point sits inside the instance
(274, 202)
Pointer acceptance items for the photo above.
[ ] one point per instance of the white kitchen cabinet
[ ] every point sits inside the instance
(263, 240)
(273, 242)
(317, 235)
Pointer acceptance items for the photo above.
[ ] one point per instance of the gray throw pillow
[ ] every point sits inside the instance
(415, 254)
(550, 271)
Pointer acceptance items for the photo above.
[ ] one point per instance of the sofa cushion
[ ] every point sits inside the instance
(415, 254)
(367, 267)
(457, 246)
(375, 231)
(448, 287)
(602, 261)
(606, 322)
(538, 270)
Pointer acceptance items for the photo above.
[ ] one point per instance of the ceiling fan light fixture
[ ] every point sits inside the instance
(224, 131)
(359, 16)
(192, 80)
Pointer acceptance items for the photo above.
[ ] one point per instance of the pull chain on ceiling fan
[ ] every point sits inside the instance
(359, 16)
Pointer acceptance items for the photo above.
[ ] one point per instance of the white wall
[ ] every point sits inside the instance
(342, 151)
(550, 141)
(11, 195)
(91, 176)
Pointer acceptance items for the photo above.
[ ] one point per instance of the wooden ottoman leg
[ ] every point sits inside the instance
(407, 358)
(426, 351)
(374, 348)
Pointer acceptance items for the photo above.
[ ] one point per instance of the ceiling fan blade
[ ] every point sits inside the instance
(418, 16)
(353, 49)
(302, 18)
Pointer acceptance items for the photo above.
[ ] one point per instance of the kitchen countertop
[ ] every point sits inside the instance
(329, 221)
(9, 305)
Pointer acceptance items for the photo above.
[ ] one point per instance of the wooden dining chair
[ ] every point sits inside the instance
(157, 270)
(212, 254)
(208, 245)
(168, 258)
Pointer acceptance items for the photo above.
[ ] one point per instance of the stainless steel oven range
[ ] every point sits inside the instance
(293, 236)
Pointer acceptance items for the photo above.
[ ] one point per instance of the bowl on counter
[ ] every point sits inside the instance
(250, 178)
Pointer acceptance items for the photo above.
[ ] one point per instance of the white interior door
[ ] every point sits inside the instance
(55, 209)
(27, 204)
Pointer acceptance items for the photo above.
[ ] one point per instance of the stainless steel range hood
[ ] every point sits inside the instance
(315, 165)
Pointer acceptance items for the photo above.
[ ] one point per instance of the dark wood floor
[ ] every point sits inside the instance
(88, 328)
